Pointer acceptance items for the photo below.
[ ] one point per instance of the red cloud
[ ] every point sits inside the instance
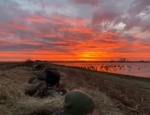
(36, 18)
(19, 26)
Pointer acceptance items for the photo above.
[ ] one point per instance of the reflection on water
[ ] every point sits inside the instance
(136, 69)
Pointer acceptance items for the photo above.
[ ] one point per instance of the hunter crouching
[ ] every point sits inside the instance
(50, 87)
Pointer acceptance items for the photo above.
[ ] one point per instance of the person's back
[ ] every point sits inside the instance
(50, 87)
(44, 90)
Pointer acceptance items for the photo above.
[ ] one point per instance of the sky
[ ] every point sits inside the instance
(90, 30)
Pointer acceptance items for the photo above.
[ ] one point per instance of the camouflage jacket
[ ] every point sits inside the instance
(43, 90)
(40, 76)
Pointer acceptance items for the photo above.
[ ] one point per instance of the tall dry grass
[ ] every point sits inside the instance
(112, 96)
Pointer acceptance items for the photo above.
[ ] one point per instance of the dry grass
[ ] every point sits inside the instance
(28, 63)
(113, 96)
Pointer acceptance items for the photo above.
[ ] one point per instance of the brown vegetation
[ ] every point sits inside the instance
(113, 95)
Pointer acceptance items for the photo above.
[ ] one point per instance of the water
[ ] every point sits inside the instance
(137, 69)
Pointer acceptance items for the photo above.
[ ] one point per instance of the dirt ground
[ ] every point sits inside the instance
(113, 94)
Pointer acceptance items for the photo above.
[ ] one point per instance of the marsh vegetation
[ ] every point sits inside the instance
(114, 94)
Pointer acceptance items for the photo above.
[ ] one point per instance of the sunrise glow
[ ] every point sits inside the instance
(89, 30)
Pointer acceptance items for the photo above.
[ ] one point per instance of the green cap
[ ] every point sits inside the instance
(78, 103)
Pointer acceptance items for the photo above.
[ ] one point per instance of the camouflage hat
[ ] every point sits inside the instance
(78, 103)
(52, 77)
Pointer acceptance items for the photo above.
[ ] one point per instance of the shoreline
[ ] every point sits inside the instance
(146, 79)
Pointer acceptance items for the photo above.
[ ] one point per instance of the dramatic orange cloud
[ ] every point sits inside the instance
(74, 30)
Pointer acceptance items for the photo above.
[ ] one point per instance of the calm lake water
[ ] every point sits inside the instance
(137, 69)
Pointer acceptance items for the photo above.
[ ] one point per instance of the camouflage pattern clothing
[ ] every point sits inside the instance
(38, 67)
(39, 79)
(36, 81)
(41, 75)
(44, 90)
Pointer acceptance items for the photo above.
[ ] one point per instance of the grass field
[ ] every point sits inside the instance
(113, 94)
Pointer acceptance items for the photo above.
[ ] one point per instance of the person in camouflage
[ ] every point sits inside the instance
(40, 76)
(77, 103)
(50, 86)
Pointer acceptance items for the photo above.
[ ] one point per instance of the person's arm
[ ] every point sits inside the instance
(40, 90)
